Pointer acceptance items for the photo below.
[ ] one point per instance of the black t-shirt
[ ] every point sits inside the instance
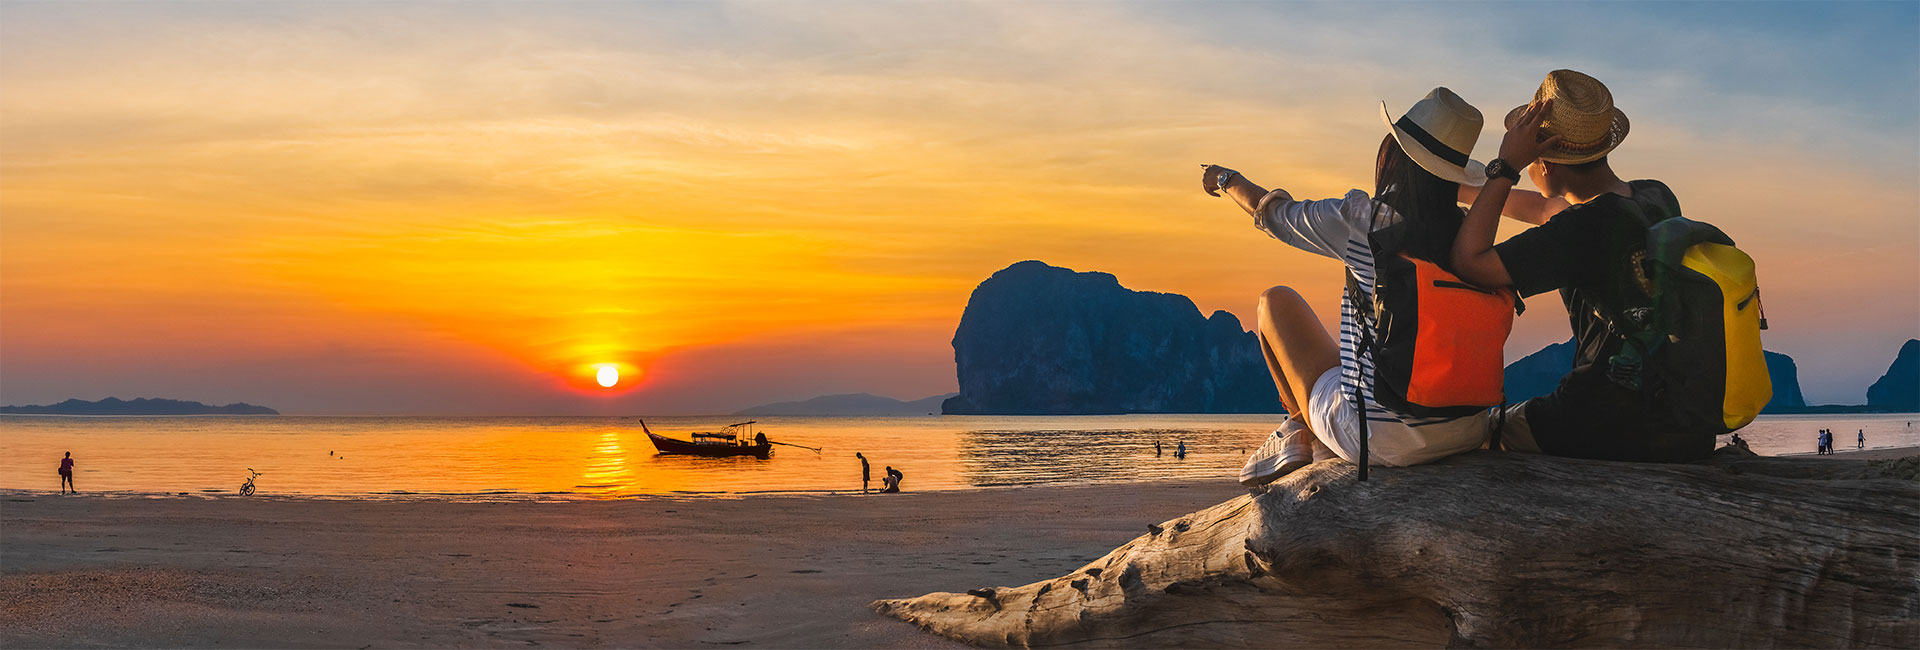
(1591, 253)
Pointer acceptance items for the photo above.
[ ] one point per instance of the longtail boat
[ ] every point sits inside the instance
(734, 440)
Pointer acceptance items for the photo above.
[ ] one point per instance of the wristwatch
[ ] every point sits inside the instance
(1500, 169)
(1220, 182)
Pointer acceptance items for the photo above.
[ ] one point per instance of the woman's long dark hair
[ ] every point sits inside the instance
(1429, 204)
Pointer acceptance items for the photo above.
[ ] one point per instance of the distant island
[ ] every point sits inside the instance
(1899, 389)
(137, 406)
(853, 404)
(1043, 340)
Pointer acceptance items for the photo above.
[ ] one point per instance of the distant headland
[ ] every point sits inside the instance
(137, 406)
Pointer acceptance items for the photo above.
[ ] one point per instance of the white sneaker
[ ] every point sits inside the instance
(1289, 448)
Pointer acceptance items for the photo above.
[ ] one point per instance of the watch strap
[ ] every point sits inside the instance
(1500, 169)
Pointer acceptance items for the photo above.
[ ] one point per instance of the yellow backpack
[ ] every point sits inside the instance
(1697, 350)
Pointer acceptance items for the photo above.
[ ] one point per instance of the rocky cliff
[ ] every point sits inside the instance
(1538, 373)
(1786, 384)
(1043, 340)
(1899, 389)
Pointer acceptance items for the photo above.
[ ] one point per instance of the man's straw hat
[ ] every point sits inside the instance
(1438, 133)
(1582, 115)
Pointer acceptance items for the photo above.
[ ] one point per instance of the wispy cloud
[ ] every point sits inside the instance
(541, 186)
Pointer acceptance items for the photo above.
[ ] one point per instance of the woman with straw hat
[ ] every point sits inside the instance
(1422, 172)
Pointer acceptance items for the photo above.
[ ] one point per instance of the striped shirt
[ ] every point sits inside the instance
(1338, 228)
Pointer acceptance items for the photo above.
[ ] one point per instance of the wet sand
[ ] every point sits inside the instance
(758, 571)
(1863, 454)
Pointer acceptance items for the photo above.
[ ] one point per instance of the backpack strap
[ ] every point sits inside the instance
(1378, 244)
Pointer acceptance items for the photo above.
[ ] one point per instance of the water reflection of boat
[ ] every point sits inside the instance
(733, 440)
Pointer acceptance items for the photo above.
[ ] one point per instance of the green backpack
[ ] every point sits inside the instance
(1695, 354)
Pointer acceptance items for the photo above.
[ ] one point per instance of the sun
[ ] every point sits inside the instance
(608, 375)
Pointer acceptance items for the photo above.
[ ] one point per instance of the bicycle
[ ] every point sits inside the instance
(246, 489)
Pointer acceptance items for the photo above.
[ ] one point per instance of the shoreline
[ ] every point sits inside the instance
(657, 571)
(1870, 453)
(563, 496)
(503, 496)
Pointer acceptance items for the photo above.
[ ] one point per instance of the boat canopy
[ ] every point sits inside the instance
(730, 432)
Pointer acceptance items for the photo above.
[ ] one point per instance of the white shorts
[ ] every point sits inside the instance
(1335, 421)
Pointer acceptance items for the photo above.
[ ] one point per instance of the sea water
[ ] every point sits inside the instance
(610, 456)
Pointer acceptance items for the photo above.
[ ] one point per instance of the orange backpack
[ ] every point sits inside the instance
(1436, 340)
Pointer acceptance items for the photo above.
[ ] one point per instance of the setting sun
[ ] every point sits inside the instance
(608, 375)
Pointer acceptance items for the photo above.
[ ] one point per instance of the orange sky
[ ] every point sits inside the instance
(392, 208)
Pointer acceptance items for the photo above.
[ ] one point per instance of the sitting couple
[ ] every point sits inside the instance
(1588, 230)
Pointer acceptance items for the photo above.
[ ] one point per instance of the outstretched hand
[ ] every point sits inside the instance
(1209, 175)
(1522, 144)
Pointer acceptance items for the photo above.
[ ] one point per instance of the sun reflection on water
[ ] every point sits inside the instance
(607, 471)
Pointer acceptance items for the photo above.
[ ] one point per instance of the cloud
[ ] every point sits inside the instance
(545, 183)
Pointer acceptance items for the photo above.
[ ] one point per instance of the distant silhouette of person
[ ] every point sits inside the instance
(1156, 447)
(866, 472)
(66, 474)
(1863, 440)
(1181, 451)
(892, 480)
(1737, 442)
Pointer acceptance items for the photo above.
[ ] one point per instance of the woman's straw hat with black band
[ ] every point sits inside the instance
(1437, 133)
(1582, 115)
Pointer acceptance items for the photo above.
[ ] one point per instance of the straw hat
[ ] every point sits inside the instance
(1582, 115)
(1437, 133)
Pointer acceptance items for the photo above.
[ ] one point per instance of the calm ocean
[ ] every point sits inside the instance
(589, 456)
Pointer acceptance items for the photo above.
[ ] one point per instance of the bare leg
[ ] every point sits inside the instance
(1297, 349)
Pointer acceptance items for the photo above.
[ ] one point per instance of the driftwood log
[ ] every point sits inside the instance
(1496, 550)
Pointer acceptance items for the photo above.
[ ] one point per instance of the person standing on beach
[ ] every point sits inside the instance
(1156, 448)
(866, 472)
(66, 474)
(1863, 440)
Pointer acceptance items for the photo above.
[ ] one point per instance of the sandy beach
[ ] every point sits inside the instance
(1882, 453)
(767, 570)
(757, 571)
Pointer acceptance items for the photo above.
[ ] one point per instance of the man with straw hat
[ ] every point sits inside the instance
(1590, 252)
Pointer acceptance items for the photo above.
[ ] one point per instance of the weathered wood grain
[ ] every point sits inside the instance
(1496, 550)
